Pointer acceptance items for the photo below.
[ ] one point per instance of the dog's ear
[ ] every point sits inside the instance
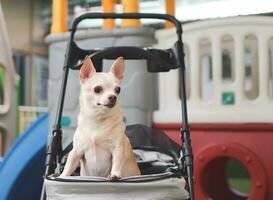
(87, 69)
(118, 68)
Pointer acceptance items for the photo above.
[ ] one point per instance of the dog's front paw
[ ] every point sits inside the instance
(113, 177)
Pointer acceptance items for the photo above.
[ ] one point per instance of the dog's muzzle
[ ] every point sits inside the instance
(111, 102)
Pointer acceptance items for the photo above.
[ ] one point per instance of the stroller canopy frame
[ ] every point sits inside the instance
(157, 61)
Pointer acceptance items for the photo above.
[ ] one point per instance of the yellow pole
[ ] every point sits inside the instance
(59, 16)
(108, 6)
(130, 6)
(170, 10)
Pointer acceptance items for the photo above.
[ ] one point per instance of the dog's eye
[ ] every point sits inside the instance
(98, 89)
(117, 90)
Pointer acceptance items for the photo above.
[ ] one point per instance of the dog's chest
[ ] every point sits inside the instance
(97, 159)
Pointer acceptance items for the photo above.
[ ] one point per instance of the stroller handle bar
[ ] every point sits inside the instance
(127, 16)
(179, 54)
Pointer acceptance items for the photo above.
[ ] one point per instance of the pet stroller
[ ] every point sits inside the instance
(166, 168)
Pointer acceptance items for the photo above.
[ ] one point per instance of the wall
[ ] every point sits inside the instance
(24, 25)
(27, 33)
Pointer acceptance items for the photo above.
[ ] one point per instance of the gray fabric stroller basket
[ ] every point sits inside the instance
(157, 157)
(162, 165)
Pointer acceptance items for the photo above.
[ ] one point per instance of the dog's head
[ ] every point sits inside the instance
(100, 90)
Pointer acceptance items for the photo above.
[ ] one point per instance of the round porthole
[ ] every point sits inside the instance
(228, 171)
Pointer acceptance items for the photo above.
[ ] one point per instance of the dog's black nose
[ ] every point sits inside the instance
(112, 99)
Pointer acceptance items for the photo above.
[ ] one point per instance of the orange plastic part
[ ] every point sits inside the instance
(108, 6)
(130, 6)
(170, 10)
(59, 16)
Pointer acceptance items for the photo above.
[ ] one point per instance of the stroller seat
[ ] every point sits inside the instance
(156, 156)
(155, 152)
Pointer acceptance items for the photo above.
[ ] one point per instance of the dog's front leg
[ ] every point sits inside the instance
(72, 162)
(118, 159)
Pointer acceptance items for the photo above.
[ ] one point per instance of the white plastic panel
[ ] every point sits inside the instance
(228, 99)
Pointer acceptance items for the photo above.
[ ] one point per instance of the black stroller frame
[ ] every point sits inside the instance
(157, 61)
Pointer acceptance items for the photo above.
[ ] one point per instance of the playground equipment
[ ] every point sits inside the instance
(8, 97)
(157, 61)
(59, 14)
(229, 91)
(21, 171)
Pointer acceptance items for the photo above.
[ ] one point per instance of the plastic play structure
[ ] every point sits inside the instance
(230, 102)
(59, 14)
(230, 108)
